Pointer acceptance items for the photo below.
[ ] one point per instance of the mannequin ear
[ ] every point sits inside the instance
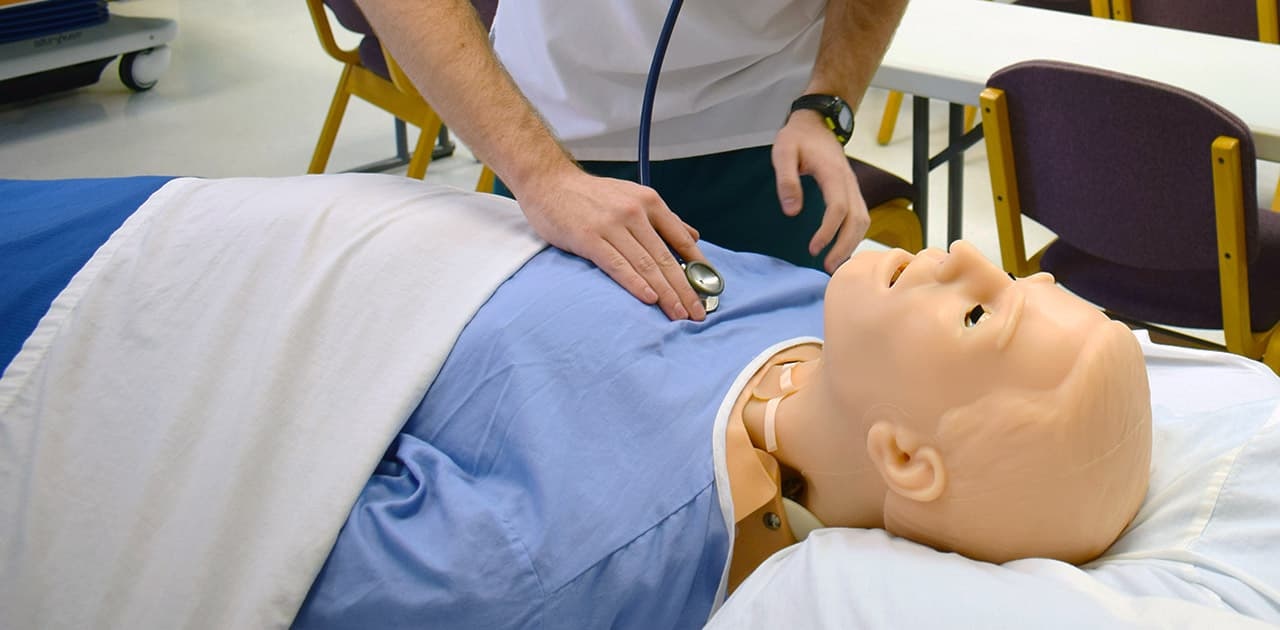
(913, 471)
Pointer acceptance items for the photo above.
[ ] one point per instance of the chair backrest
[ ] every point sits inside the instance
(1079, 7)
(1119, 166)
(1245, 19)
(349, 15)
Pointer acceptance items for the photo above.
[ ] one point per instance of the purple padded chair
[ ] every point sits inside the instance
(1245, 19)
(1120, 169)
(366, 74)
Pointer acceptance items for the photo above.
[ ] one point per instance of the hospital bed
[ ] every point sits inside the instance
(175, 449)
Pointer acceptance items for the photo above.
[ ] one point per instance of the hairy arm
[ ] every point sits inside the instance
(855, 35)
(622, 227)
(443, 47)
(854, 39)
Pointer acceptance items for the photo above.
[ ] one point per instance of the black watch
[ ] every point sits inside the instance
(835, 112)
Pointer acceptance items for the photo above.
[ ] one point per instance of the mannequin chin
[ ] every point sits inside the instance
(965, 410)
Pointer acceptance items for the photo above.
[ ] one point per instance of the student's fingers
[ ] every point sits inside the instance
(615, 265)
(613, 223)
(786, 168)
(852, 230)
(834, 183)
(845, 219)
(670, 235)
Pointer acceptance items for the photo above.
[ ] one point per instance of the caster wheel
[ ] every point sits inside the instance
(140, 70)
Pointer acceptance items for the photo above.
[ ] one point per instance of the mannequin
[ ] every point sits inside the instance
(579, 451)
(1024, 429)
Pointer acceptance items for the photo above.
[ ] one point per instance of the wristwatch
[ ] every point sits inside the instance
(835, 112)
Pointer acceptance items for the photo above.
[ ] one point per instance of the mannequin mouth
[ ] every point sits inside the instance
(897, 273)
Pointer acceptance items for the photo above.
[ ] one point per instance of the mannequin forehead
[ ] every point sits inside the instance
(952, 324)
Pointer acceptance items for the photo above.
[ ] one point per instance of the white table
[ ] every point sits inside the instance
(946, 49)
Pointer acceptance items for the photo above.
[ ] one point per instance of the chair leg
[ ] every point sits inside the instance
(1271, 353)
(445, 146)
(329, 132)
(485, 184)
(1275, 199)
(970, 114)
(426, 144)
(889, 119)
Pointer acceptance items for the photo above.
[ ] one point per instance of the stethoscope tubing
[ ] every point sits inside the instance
(651, 88)
(701, 276)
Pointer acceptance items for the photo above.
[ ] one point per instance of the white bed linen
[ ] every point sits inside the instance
(1204, 548)
(167, 459)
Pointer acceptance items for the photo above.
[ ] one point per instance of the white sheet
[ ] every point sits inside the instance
(166, 460)
(1203, 552)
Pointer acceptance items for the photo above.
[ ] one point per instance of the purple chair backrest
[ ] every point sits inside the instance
(352, 19)
(1079, 7)
(350, 16)
(1119, 166)
(1232, 18)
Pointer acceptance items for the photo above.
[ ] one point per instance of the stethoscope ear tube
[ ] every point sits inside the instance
(651, 88)
(705, 280)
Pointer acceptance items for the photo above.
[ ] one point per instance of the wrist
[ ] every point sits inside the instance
(832, 111)
(537, 170)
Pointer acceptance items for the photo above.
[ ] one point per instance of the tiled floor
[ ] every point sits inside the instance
(247, 91)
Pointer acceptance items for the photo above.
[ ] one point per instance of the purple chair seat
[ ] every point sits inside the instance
(879, 186)
(1187, 298)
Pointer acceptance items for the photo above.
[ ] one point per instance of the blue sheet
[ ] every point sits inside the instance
(48, 230)
(559, 472)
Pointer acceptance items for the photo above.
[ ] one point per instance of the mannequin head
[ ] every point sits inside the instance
(1005, 419)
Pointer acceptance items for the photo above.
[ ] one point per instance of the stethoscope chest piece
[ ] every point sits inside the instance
(706, 282)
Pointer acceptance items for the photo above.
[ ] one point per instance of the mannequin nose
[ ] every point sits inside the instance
(966, 264)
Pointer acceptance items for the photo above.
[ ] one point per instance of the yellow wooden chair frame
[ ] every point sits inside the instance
(895, 224)
(403, 102)
(1228, 189)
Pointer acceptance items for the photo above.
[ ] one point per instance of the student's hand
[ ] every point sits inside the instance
(622, 227)
(805, 146)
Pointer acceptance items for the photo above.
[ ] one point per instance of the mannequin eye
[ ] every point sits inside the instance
(897, 273)
(975, 315)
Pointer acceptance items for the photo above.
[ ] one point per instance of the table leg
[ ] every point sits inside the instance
(955, 175)
(920, 160)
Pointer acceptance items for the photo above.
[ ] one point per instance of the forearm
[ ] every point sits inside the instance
(444, 49)
(855, 36)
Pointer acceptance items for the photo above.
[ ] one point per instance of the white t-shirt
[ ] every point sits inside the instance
(730, 73)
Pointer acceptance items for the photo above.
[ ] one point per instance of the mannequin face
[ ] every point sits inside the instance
(1006, 419)
(935, 330)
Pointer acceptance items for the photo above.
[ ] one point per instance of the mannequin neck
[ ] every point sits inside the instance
(827, 447)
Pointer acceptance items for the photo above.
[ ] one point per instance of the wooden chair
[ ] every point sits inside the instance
(1156, 227)
(366, 74)
(1244, 19)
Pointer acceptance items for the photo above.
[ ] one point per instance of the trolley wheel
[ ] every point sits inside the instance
(140, 70)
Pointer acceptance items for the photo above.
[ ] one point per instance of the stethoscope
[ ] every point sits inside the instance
(705, 280)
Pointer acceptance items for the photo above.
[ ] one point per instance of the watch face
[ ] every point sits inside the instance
(845, 117)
